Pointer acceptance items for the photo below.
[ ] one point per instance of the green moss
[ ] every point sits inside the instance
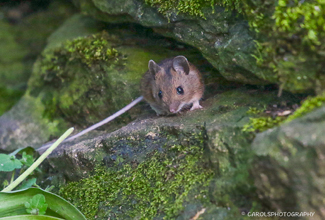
(158, 186)
(307, 18)
(259, 124)
(87, 50)
(262, 123)
(307, 106)
(290, 36)
(74, 79)
(255, 111)
(191, 7)
(291, 42)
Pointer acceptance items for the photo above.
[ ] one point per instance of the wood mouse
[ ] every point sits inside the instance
(168, 87)
(171, 85)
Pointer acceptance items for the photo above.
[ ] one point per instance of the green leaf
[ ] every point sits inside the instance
(27, 159)
(5, 183)
(37, 205)
(13, 203)
(49, 188)
(9, 163)
(27, 184)
(28, 150)
(37, 162)
(30, 217)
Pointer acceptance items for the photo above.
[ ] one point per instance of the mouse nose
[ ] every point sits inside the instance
(172, 110)
(173, 107)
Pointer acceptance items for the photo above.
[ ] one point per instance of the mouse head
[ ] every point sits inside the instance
(174, 83)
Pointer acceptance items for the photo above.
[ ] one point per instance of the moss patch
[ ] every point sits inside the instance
(163, 159)
(307, 106)
(261, 122)
(191, 7)
(291, 42)
(74, 78)
(157, 187)
(289, 36)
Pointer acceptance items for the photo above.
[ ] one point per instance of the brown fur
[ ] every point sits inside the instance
(167, 80)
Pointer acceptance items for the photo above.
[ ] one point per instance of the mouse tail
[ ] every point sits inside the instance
(101, 123)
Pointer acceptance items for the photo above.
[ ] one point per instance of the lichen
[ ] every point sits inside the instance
(158, 186)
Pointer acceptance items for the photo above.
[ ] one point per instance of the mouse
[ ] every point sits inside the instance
(171, 85)
(168, 87)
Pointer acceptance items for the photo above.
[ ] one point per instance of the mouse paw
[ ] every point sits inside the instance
(196, 105)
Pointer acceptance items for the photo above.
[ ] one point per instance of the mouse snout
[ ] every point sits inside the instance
(174, 107)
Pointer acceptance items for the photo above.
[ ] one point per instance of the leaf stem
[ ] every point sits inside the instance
(37, 162)
(12, 176)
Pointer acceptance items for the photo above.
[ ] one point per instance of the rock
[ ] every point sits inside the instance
(289, 173)
(196, 164)
(268, 50)
(177, 167)
(24, 125)
(82, 88)
(223, 37)
(87, 78)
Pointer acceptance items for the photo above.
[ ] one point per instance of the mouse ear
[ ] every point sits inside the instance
(153, 67)
(180, 63)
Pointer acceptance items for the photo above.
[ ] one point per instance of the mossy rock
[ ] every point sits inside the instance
(222, 36)
(250, 42)
(85, 75)
(24, 125)
(87, 78)
(290, 165)
(172, 167)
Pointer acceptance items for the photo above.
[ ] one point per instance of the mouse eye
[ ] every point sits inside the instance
(180, 90)
(160, 94)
